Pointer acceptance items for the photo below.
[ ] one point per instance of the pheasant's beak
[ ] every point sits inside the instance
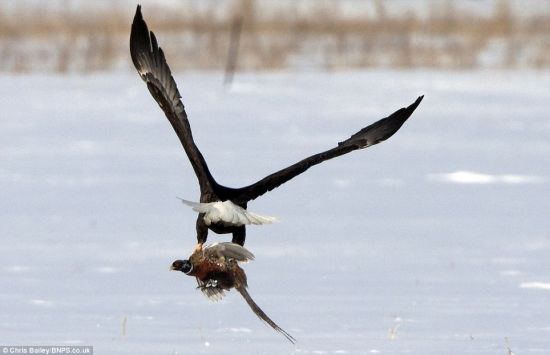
(172, 268)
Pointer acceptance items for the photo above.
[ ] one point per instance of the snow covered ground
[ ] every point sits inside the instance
(434, 242)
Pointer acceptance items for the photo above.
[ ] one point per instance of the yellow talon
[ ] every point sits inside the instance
(198, 248)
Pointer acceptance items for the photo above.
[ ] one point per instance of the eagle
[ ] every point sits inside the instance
(223, 209)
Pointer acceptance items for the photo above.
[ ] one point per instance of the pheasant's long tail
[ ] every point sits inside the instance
(261, 314)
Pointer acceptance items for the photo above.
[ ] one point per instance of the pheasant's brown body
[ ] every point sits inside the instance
(216, 268)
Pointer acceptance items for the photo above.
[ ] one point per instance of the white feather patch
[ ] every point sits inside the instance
(227, 213)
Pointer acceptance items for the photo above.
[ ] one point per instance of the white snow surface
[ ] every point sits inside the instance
(436, 241)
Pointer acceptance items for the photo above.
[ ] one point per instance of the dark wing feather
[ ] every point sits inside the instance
(261, 314)
(151, 65)
(368, 136)
(214, 293)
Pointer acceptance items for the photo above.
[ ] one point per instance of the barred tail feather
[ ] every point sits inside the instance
(261, 314)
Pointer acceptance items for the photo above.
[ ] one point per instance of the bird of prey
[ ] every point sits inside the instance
(216, 268)
(224, 209)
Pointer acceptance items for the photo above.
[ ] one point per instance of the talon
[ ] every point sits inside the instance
(198, 248)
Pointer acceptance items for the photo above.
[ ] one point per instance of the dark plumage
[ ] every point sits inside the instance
(148, 58)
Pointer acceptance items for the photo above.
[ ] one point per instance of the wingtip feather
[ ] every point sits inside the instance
(418, 101)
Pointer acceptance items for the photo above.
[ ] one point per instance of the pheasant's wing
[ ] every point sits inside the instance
(228, 251)
(210, 290)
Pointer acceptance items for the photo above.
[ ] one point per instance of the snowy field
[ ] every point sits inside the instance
(434, 242)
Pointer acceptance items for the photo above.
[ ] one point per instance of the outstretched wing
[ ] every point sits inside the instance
(368, 136)
(261, 314)
(151, 65)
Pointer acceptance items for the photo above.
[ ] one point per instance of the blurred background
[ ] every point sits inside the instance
(434, 242)
(84, 36)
